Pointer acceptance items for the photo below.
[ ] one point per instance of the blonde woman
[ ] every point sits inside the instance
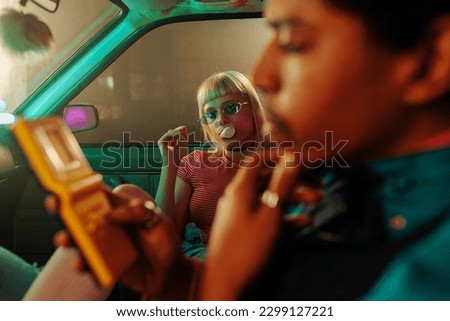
(190, 186)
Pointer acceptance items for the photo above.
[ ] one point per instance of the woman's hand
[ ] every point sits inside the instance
(247, 224)
(161, 271)
(173, 145)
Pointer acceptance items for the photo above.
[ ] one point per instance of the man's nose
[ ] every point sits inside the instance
(265, 72)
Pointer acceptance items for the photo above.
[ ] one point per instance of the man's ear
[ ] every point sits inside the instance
(432, 79)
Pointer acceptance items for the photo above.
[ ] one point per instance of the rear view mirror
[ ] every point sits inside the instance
(80, 117)
(47, 5)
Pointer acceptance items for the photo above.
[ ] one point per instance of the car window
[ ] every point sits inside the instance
(152, 86)
(71, 28)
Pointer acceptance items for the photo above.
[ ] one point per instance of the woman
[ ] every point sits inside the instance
(231, 118)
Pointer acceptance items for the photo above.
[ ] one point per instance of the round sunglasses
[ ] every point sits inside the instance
(231, 108)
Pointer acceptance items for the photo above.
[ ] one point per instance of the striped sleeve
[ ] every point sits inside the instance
(188, 165)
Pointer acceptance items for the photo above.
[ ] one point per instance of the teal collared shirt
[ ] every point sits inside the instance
(382, 232)
(414, 197)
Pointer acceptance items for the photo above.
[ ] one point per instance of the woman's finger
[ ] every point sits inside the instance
(167, 137)
(181, 130)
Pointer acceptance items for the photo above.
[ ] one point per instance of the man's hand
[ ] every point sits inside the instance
(161, 272)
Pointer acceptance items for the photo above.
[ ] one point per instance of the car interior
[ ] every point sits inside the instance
(135, 66)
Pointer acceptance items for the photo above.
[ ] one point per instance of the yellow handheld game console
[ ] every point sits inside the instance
(62, 169)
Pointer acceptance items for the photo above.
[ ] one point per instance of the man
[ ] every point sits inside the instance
(375, 75)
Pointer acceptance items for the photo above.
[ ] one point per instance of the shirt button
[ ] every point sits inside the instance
(397, 222)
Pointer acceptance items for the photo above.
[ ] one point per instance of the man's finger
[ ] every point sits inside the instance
(51, 203)
(281, 182)
(136, 211)
(250, 179)
(62, 238)
(284, 175)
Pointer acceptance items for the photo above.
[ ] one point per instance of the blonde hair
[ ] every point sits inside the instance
(225, 83)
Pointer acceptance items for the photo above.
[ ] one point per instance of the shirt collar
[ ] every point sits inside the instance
(412, 191)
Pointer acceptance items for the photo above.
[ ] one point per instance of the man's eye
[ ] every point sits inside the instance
(294, 41)
(292, 47)
(231, 108)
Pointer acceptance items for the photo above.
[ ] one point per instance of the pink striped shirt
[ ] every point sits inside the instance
(208, 176)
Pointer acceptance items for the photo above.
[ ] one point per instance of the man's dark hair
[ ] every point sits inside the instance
(397, 24)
